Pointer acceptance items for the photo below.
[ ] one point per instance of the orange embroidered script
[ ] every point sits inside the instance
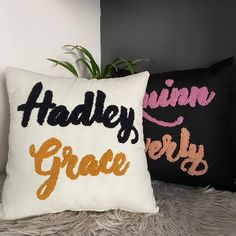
(188, 151)
(87, 166)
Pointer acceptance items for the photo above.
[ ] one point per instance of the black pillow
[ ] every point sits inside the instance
(187, 126)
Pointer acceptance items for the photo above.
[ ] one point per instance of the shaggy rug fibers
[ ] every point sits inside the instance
(183, 211)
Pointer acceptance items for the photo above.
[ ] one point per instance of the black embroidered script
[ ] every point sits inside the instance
(110, 117)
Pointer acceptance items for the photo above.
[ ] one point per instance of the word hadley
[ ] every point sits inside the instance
(110, 117)
(87, 166)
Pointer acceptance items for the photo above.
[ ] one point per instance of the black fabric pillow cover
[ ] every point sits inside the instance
(187, 126)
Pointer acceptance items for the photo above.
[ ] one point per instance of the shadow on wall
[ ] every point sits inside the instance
(35, 30)
(180, 34)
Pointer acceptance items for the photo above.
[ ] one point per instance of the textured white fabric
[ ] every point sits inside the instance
(129, 190)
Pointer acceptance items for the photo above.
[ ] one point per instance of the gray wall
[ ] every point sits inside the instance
(173, 34)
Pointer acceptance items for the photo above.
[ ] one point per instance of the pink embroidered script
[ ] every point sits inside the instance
(181, 97)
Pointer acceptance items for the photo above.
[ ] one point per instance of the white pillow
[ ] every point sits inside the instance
(56, 122)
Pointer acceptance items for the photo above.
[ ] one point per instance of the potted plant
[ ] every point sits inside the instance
(118, 66)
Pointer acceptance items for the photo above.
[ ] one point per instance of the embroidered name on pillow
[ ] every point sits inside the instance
(92, 110)
(190, 155)
(110, 117)
(87, 166)
(182, 97)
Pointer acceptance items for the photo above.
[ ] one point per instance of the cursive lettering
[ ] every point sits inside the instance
(191, 155)
(84, 114)
(87, 166)
(176, 96)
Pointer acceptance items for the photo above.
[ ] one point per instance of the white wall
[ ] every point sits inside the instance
(32, 30)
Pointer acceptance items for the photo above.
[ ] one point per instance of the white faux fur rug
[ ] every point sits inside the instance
(184, 211)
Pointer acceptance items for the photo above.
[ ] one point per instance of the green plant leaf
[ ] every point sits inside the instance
(95, 67)
(66, 65)
(86, 63)
(108, 69)
(127, 63)
(134, 62)
(82, 55)
(96, 73)
(70, 47)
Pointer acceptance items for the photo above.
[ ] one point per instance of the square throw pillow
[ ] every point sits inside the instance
(186, 126)
(75, 144)
(233, 114)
